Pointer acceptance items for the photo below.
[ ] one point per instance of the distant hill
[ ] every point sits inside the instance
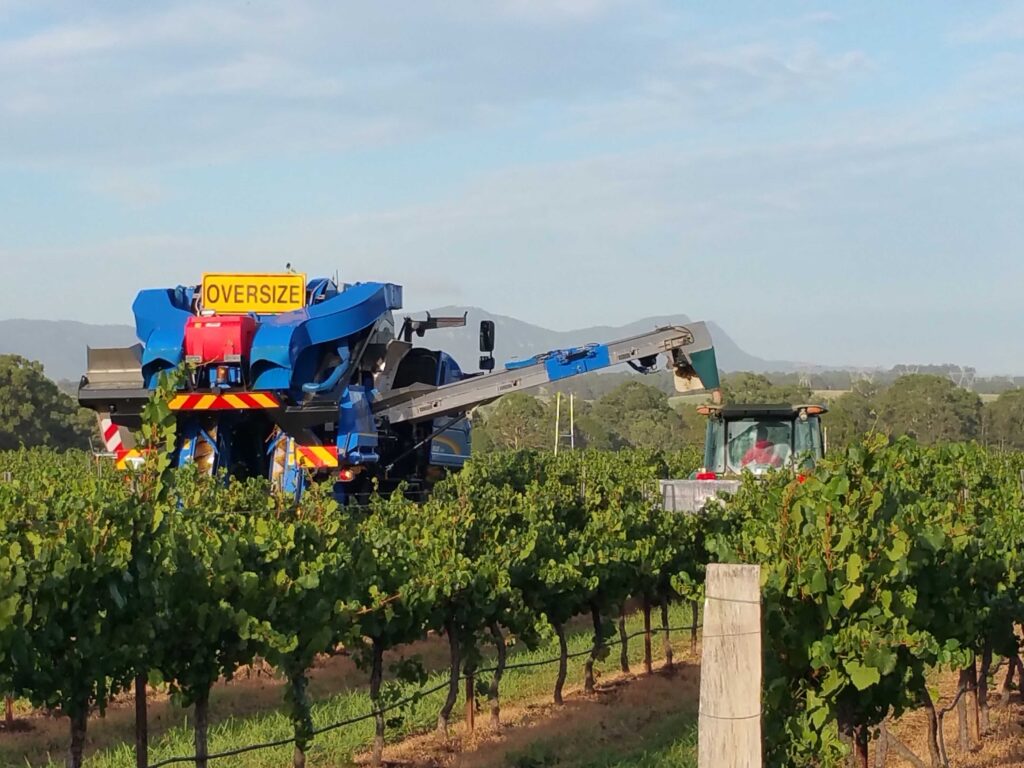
(60, 344)
(516, 339)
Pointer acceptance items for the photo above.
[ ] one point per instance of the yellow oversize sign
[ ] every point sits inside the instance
(243, 292)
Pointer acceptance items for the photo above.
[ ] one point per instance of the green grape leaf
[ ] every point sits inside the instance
(862, 677)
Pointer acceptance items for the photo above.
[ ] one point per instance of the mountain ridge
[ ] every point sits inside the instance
(60, 345)
(462, 342)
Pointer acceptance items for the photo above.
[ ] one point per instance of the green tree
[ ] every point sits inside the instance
(520, 421)
(694, 429)
(470, 538)
(592, 431)
(555, 585)
(637, 415)
(1004, 420)
(930, 408)
(755, 388)
(33, 411)
(852, 414)
(482, 440)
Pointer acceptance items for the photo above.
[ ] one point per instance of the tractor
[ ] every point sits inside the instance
(749, 438)
(759, 438)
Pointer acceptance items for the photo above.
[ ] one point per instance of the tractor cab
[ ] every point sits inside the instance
(759, 438)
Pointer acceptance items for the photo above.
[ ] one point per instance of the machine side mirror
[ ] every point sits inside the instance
(487, 336)
(486, 363)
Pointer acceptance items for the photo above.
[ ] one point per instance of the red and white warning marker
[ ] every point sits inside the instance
(111, 435)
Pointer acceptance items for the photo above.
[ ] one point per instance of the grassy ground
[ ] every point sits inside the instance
(247, 711)
(632, 722)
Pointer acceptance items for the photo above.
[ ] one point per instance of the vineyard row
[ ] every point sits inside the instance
(888, 562)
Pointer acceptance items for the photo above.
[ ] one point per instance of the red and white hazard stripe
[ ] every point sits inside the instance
(111, 435)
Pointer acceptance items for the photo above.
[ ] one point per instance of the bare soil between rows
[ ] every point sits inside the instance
(1002, 745)
(617, 714)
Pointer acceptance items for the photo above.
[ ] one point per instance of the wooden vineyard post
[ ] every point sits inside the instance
(693, 627)
(648, 665)
(729, 730)
(141, 723)
(470, 701)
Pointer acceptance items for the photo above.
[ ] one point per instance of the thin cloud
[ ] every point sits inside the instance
(251, 74)
(998, 79)
(60, 43)
(1007, 24)
(796, 157)
(830, 230)
(202, 83)
(700, 86)
(183, 24)
(132, 190)
(558, 10)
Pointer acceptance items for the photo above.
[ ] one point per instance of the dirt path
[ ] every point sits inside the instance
(1002, 745)
(632, 714)
(628, 715)
(250, 692)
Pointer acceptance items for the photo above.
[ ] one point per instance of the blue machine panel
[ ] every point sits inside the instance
(570, 362)
(450, 448)
(563, 363)
(357, 433)
(285, 351)
(160, 318)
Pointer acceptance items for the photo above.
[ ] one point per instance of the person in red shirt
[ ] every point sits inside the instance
(762, 452)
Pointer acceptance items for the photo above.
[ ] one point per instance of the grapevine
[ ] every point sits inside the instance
(889, 561)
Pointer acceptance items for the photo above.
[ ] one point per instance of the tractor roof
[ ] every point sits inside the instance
(761, 410)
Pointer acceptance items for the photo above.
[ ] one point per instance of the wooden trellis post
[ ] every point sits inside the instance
(729, 734)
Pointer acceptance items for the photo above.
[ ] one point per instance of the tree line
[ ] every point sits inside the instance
(635, 414)
(930, 409)
(591, 388)
(34, 411)
(611, 411)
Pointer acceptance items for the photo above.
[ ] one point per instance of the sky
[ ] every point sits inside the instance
(838, 183)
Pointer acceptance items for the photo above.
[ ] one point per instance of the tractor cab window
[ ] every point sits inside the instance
(758, 444)
(807, 442)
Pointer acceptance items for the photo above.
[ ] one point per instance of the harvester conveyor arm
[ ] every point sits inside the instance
(688, 347)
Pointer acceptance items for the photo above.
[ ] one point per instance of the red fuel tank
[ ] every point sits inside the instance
(219, 339)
